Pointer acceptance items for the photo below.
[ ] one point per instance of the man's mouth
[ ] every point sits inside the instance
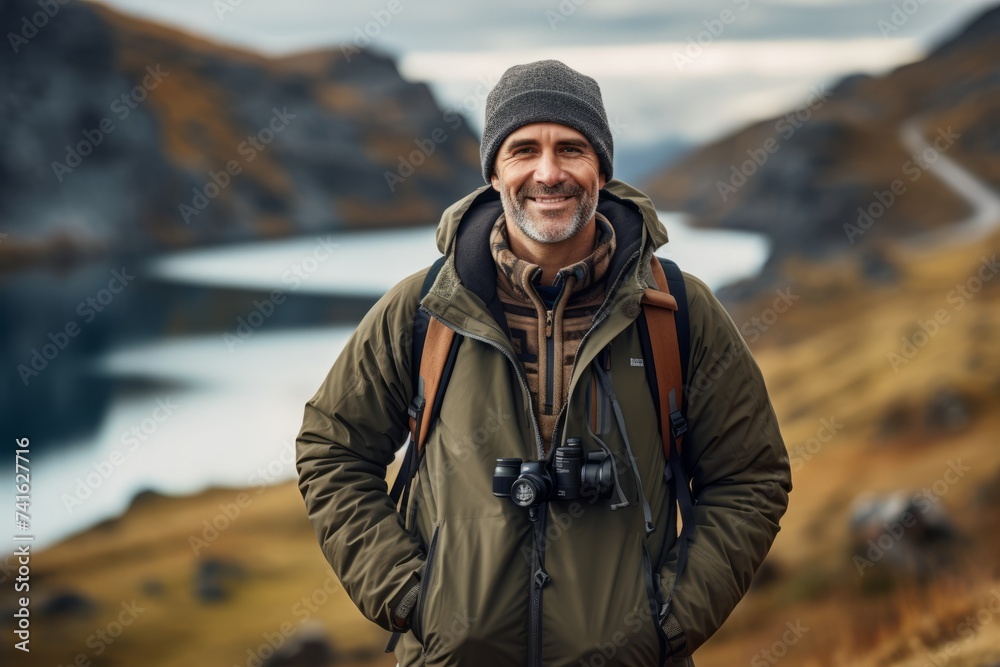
(550, 199)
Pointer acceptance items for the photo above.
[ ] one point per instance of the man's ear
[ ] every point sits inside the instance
(495, 180)
(601, 179)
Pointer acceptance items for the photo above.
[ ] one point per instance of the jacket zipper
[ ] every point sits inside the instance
(550, 351)
(538, 577)
(602, 314)
(535, 621)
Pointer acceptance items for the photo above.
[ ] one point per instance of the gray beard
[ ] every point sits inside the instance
(516, 212)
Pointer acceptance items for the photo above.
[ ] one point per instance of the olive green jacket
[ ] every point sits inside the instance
(470, 554)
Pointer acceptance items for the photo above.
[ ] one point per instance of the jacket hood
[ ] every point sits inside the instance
(615, 193)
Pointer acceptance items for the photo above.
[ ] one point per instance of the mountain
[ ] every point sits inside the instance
(636, 162)
(814, 178)
(121, 135)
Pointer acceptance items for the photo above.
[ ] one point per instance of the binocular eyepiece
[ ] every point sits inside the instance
(570, 476)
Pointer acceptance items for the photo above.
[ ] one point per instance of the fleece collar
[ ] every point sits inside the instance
(518, 276)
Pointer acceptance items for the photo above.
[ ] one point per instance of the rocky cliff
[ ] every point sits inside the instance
(813, 178)
(124, 136)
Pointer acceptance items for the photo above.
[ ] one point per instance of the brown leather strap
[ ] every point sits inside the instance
(437, 345)
(659, 306)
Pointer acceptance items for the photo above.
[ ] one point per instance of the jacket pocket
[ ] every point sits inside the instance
(472, 610)
(598, 610)
(417, 625)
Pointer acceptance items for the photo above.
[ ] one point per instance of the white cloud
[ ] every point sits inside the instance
(673, 60)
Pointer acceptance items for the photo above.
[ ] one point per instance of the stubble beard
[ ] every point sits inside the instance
(536, 230)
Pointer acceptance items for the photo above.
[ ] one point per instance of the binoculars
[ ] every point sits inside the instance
(570, 476)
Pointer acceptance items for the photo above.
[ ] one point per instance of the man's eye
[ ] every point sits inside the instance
(572, 149)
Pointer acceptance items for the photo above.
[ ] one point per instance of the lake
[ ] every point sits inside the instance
(193, 374)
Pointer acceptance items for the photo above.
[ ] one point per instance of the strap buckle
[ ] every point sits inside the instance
(678, 424)
(416, 407)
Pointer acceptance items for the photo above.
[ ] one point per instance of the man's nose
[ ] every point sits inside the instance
(548, 169)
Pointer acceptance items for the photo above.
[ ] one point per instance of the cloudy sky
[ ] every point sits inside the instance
(687, 69)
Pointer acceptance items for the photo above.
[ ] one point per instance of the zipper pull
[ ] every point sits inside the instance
(548, 323)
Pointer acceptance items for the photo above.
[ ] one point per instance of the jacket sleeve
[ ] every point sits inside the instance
(738, 467)
(351, 430)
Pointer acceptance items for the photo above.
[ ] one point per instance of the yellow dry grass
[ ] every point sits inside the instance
(828, 358)
(286, 580)
(823, 359)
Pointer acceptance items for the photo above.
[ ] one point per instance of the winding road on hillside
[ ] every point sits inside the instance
(982, 198)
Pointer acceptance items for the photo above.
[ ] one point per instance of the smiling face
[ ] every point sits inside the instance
(548, 176)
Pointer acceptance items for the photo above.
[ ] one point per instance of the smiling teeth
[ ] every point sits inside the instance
(551, 200)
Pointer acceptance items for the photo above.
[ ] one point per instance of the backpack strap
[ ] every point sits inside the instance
(433, 351)
(432, 357)
(659, 307)
(675, 281)
(665, 335)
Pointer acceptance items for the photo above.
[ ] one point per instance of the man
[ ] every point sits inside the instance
(546, 267)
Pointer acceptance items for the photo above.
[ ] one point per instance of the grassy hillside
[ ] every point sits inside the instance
(272, 583)
(900, 424)
(801, 176)
(824, 359)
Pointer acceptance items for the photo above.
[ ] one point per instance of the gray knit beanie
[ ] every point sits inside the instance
(546, 91)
